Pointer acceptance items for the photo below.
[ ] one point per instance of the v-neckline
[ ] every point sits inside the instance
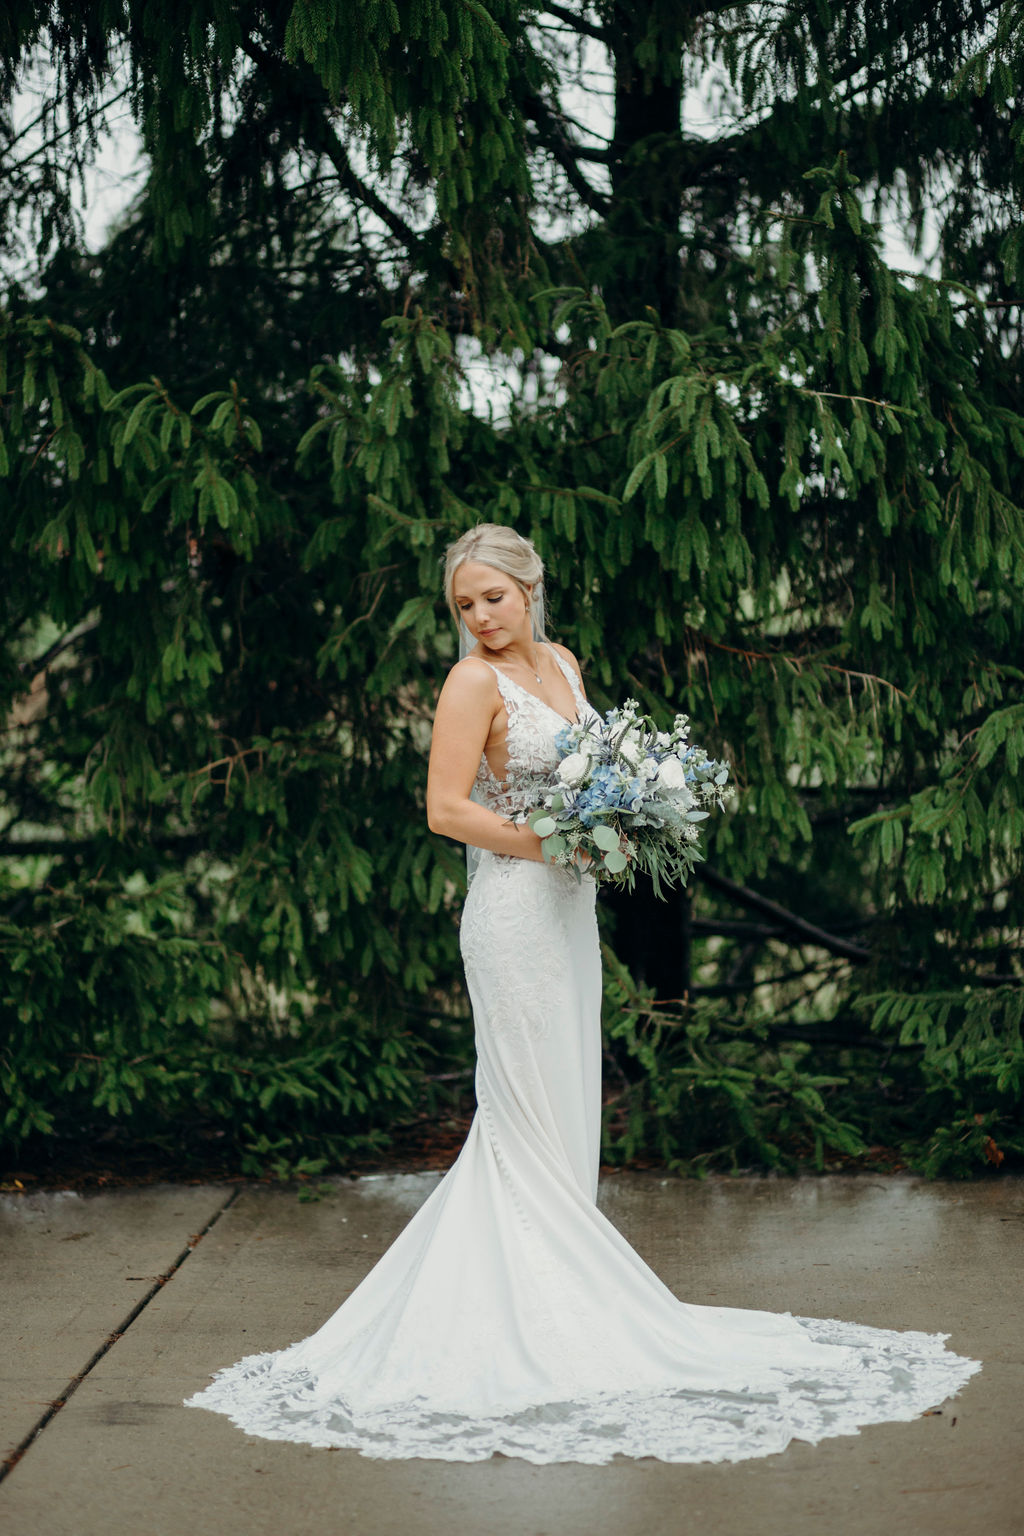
(536, 696)
(531, 695)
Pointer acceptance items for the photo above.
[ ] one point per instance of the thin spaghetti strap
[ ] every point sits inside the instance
(506, 686)
(567, 671)
(485, 662)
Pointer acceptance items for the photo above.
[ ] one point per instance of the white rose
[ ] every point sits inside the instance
(573, 769)
(632, 750)
(672, 776)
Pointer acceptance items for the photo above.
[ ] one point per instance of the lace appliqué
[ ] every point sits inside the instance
(518, 910)
(891, 1376)
(529, 744)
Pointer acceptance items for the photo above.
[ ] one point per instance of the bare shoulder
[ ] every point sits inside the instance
(470, 682)
(567, 655)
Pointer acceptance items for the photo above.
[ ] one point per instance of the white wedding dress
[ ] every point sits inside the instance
(510, 1315)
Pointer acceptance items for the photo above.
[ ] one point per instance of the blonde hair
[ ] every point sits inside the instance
(504, 550)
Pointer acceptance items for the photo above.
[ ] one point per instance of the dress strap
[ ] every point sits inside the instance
(511, 691)
(568, 672)
(506, 687)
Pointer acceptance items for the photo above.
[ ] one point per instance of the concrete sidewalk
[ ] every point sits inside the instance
(137, 1295)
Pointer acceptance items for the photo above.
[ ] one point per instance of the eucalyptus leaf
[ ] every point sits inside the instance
(543, 824)
(605, 837)
(615, 862)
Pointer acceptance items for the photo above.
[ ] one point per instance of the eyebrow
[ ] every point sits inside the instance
(461, 596)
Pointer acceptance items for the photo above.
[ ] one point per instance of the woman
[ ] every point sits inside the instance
(510, 1315)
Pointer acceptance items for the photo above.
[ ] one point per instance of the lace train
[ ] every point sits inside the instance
(891, 1376)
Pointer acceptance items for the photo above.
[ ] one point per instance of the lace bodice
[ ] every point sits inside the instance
(529, 743)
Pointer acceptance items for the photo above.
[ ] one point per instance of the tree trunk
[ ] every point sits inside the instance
(647, 173)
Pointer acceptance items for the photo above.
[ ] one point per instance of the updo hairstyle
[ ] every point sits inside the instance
(506, 551)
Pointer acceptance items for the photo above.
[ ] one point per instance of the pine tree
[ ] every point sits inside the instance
(777, 482)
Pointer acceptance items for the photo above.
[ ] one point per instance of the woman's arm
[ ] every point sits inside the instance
(462, 724)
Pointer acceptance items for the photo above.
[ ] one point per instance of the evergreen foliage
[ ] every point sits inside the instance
(777, 483)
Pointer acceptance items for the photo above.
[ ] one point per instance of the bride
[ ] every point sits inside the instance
(510, 1315)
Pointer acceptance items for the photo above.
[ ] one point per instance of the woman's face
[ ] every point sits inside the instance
(491, 605)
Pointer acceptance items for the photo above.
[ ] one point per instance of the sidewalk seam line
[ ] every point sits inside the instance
(10, 1461)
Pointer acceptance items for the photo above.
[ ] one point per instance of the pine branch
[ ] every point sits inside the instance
(819, 936)
(734, 988)
(823, 1035)
(724, 928)
(552, 136)
(331, 146)
(86, 120)
(355, 187)
(40, 663)
(727, 928)
(810, 931)
(885, 73)
(714, 156)
(578, 23)
(794, 660)
(587, 128)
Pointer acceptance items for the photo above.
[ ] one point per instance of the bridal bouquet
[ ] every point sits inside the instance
(629, 796)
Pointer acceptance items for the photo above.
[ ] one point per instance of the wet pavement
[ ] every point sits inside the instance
(116, 1306)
